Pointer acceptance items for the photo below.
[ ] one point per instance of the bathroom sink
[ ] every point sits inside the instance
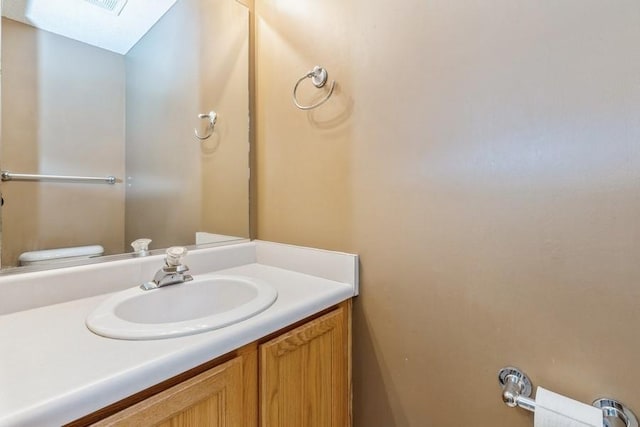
(209, 301)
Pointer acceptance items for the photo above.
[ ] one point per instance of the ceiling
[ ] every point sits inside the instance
(91, 21)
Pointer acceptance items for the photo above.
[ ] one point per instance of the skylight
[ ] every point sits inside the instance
(115, 25)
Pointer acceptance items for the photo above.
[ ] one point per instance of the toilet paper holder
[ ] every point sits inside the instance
(516, 392)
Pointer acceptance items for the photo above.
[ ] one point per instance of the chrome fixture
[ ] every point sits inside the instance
(141, 247)
(516, 391)
(319, 78)
(10, 176)
(616, 414)
(172, 273)
(212, 117)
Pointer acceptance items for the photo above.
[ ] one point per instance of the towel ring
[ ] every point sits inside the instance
(212, 117)
(319, 78)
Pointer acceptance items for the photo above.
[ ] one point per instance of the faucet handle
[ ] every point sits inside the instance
(175, 255)
(141, 247)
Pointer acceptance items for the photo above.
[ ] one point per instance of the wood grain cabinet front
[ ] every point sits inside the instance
(298, 377)
(213, 399)
(304, 379)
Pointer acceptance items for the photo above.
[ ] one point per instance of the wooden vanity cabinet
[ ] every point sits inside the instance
(305, 375)
(213, 399)
(298, 377)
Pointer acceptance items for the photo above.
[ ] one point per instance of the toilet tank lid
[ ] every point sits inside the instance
(60, 253)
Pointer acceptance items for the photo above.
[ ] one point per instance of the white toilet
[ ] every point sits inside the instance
(50, 256)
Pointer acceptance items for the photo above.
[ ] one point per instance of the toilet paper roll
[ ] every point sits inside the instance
(555, 410)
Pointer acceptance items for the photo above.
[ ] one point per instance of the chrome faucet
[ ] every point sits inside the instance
(173, 271)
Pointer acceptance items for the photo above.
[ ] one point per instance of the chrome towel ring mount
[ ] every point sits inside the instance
(319, 78)
(211, 117)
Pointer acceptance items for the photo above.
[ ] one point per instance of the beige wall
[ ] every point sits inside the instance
(193, 61)
(63, 105)
(482, 158)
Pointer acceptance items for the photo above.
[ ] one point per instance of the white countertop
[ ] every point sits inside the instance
(53, 370)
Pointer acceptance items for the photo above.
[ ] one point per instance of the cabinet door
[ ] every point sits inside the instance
(213, 399)
(304, 375)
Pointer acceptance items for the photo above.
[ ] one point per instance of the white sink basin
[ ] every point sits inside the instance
(210, 301)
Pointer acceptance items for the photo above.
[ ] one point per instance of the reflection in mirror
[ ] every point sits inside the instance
(76, 106)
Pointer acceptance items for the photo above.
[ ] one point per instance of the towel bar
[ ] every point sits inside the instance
(517, 387)
(10, 176)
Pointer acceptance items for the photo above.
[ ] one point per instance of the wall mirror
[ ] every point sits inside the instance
(81, 99)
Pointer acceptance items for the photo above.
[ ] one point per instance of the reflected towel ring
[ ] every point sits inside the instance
(212, 117)
(319, 78)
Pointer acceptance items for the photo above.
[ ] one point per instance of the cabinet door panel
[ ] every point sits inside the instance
(209, 412)
(304, 375)
(213, 399)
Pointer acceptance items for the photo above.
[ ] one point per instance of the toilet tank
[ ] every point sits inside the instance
(48, 256)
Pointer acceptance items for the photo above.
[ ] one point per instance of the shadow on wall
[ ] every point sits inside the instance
(373, 406)
(337, 116)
